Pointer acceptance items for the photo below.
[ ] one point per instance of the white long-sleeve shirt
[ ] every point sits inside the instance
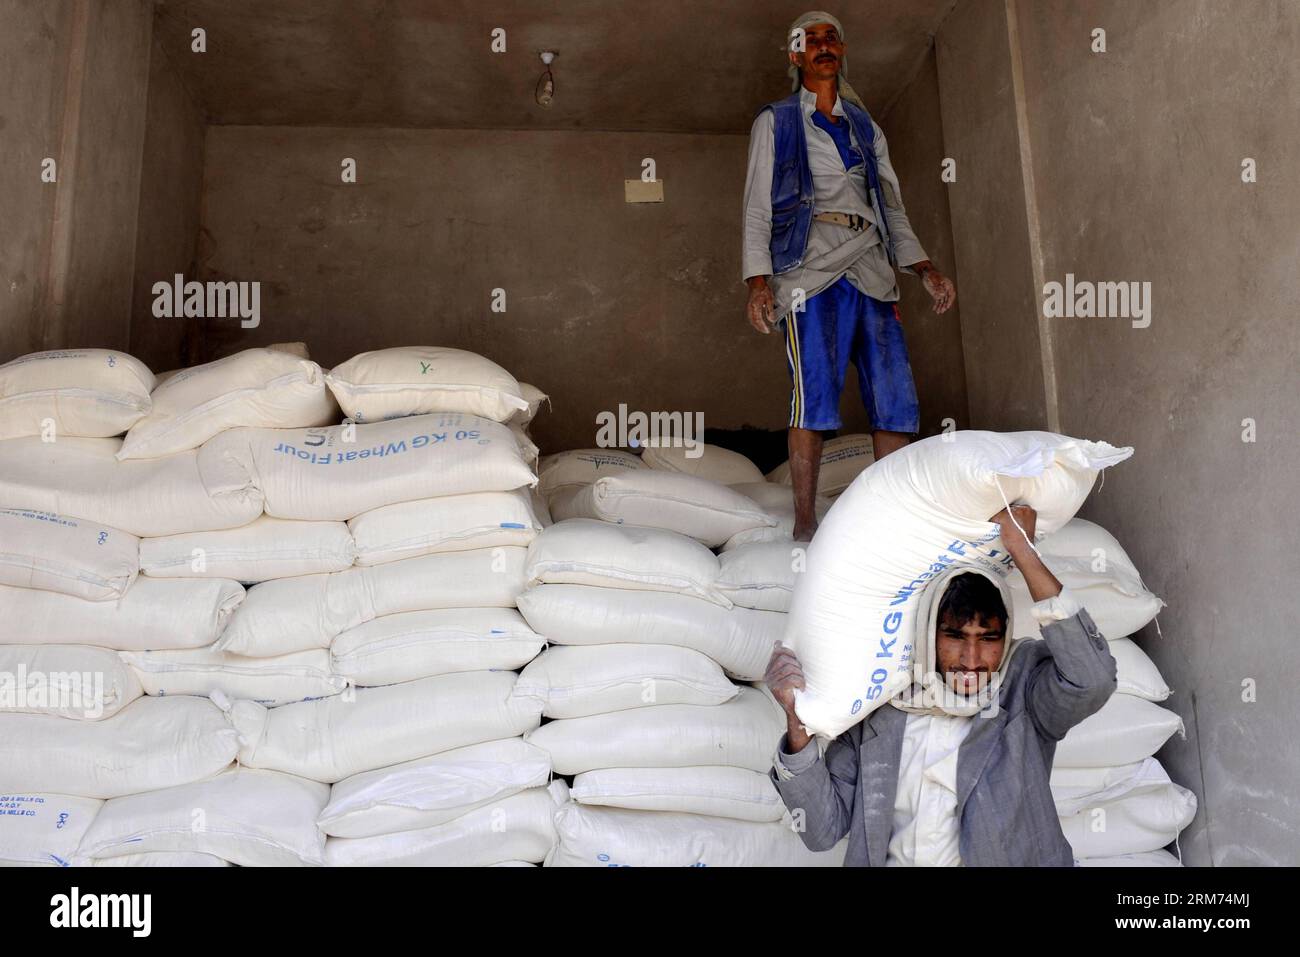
(925, 831)
(832, 250)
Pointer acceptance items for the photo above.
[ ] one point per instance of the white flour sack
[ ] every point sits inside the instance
(615, 837)
(739, 639)
(264, 549)
(450, 523)
(711, 462)
(844, 458)
(330, 739)
(431, 791)
(257, 388)
(1135, 673)
(1088, 561)
(414, 380)
(1123, 810)
(575, 681)
(420, 644)
(154, 613)
(737, 793)
(248, 817)
(88, 392)
(778, 502)
(161, 859)
(72, 681)
(566, 471)
(83, 477)
(582, 551)
(151, 743)
(706, 511)
(64, 554)
(534, 397)
(268, 681)
(294, 614)
(917, 514)
(43, 828)
(761, 575)
(1124, 731)
(336, 473)
(516, 828)
(741, 733)
(1160, 858)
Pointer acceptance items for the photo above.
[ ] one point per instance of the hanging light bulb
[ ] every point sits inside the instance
(545, 91)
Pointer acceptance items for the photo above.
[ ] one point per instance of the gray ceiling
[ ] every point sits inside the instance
(670, 65)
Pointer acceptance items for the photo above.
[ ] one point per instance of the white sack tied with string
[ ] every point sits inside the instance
(915, 515)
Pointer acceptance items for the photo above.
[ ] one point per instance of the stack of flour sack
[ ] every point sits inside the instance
(669, 572)
(234, 630)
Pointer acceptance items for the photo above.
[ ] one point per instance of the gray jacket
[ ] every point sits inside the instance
(1004, 805)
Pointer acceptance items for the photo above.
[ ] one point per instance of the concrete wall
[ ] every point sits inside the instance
(914, 130)
(606, 302)
(34, 40)
(1134, 160)
(171, 183)
(75, 76)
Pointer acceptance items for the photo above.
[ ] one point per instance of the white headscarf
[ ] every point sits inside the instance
(804, 21)
(929, 692)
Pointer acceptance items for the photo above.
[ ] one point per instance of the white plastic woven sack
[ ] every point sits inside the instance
(259, 551)
(1124, 731)
(528, 449)
(1132, 809)
(1087, 560)
(162, 859)
(737, 793)
(71, 392)
(154, 613)
(294, 614)
(63, 554)
(761, 576)
(711, 462)
(515, 828)
(706, 511)
(575, 681)
(45, 829)
(71, 681)
(420, 644)
(916, 514)
(1149, 859)
(431, 791)
(337, 473)
(414, 380)
(330, 739)
(582, 551)
(248, 817)
(450, 523)
(1137, 674)
(151, 743)
(261, 388)
(741, 733)
(739, 639)
(268, 681)
(844, 458)
(566, 471)
(83, 477)
(615, 837)
(778, 502)
(534, 397)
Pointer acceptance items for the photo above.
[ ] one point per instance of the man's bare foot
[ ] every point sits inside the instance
(805, 533)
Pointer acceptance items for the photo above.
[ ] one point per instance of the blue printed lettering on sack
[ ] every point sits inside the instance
(400, 447)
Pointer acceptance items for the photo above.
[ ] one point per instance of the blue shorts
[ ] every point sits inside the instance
(838, 324)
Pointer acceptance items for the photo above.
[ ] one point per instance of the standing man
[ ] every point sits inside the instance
(824, 229)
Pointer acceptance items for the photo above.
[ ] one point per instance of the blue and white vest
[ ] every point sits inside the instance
(792, 185)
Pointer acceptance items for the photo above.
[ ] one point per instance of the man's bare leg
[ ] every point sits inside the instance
(882, 443)
(805, 462)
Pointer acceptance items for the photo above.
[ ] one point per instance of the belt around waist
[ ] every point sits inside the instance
(852, 220)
